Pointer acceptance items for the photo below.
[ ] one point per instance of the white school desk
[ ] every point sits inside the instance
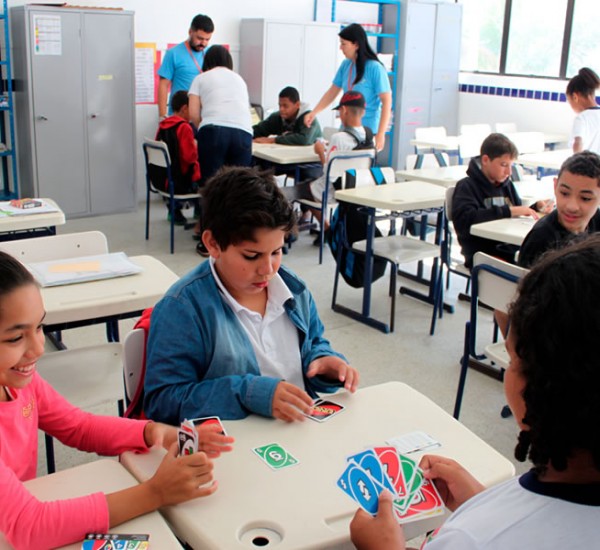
(505, 230)
(551, 160)
(445, 176)
(285, 154)
(34, 224)
(301, 506)
(92, 302)
(396, 197)
(107, 476)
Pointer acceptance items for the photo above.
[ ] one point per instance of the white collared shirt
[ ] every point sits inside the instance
(274, 337)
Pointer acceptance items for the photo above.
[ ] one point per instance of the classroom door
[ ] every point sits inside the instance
(57, 107)
(110, 110)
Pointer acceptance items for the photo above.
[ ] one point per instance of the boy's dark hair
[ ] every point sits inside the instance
(556, 325)
(217, 56)
(13, 275)
(179, 100)
(498, 145)
(585, 163)
(238, 200)
(202, 23)
(584, 83)
(291, 93)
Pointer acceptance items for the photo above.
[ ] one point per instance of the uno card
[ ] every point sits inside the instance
(425, 502)
(369, 462)
(389, 459)
(323, 410)
(209, 421)
(187, 436)
(275, 456)
(413, 478)
(361, 487)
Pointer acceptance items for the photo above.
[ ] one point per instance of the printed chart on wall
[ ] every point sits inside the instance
(147, 62)
(47, 35)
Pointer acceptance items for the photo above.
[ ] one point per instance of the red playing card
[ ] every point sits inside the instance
(323, 410)
(389, 459)
(209, 421)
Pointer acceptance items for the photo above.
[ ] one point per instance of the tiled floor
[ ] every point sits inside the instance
(428, 363)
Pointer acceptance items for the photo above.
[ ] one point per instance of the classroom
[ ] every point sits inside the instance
(394, 171)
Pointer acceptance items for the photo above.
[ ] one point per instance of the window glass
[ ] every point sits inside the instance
(536, 37)
(585, 44)
(481, 35)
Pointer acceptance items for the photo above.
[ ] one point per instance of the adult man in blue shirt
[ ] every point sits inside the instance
(183, 62)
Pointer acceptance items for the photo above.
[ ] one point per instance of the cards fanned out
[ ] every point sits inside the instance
(371, 471)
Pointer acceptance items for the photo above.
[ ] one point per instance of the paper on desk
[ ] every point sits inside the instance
(6, 209)
(86, 268)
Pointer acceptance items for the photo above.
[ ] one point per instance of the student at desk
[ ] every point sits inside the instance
(553, 389)
(486, 194)
(28, 403)
(240, 333)
(577, 190)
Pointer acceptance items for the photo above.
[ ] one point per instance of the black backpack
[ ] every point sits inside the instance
(366, 143)
(183, 182)
(348, 225)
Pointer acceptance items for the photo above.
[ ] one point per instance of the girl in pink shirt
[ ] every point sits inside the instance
(27, 403)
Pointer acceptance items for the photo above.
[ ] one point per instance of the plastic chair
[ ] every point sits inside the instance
(86, 377)
(493, 283)
(431, 133)
(134, 351)
(337, 165)
(395, 250)
(452, 265)
(156, 153)
(429, 160)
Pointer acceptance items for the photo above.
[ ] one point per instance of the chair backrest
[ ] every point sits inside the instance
(328, 131)
(340, 161)
(133, 360)
(448, 203)
(469, 145)
(55, 247)
(256, 112)
(156, 153)
(495, 281)
(430, 133)
(429, 160)
(505, 127)
(366, 176)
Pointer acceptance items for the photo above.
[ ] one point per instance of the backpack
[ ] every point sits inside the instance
(366, 143)
(182, 182)
(348, 225)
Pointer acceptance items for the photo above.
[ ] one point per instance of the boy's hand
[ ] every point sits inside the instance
(381, 532)
(545, 206)
(516, 211)
(289, 402)
(308, 119)
(264, 140)
(453, 482)
(212, 441)
(335, 368)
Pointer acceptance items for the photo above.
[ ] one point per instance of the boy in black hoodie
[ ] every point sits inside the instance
(486, 194)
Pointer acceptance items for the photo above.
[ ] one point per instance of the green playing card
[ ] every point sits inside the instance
(275, 456)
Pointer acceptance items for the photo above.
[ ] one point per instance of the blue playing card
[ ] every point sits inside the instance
(369, 461)
(357, 483)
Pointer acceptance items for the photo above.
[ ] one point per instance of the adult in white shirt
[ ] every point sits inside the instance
(220, 108)
(581, 95)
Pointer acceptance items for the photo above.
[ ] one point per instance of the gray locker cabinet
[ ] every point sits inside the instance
(76, 108)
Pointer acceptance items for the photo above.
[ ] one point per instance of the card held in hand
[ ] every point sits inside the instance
(187, 437)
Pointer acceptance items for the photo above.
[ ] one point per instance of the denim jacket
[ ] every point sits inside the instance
(200, 361)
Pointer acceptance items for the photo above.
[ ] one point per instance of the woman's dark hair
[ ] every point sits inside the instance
(584, 83)
(13, 275)
(238, 200)
(555, 323)
(356, 34)
(217, 56)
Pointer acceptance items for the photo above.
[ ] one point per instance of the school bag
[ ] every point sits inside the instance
(182, 182)
(366, 143)
(348, 225)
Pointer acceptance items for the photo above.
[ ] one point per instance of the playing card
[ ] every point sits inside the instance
(275, 456)
(413, 478)
(209, 421)
(187, 436)
(426, 502)
(389, 459)
(323, 410)
(369, 462)
(361, 487)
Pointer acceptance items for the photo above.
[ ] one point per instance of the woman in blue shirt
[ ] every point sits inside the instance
(361, 71)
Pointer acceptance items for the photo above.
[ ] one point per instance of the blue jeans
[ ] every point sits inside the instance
(222, 146)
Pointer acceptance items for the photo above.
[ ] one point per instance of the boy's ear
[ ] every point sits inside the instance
(211, 243)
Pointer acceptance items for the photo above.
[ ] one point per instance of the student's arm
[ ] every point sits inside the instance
(326, 100)
(163, 97)
(270, 126)
(195, 109)
(577, 145)
(303, 135)
(188, 148)
(386, 113)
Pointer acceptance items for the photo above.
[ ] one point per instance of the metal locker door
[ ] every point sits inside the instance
(109, 87)
(59, 127)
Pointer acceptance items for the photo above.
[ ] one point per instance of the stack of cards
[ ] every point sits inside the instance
(98, 541)
(371, 471)
(187, 436)
(323, 410)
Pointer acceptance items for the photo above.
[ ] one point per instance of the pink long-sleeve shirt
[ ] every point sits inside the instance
(26, 522)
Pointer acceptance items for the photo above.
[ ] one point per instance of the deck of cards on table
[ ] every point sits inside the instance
(371, 471)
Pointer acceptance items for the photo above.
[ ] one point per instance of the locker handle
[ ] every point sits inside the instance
(42, 117)
(94, 115)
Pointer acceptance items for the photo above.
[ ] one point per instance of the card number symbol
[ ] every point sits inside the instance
(363, 489)
(275, 456)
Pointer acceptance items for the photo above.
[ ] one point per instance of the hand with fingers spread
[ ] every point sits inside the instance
(453, 482)
(381, 532)
(335, 368)
(212, 441)
(289, 402)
